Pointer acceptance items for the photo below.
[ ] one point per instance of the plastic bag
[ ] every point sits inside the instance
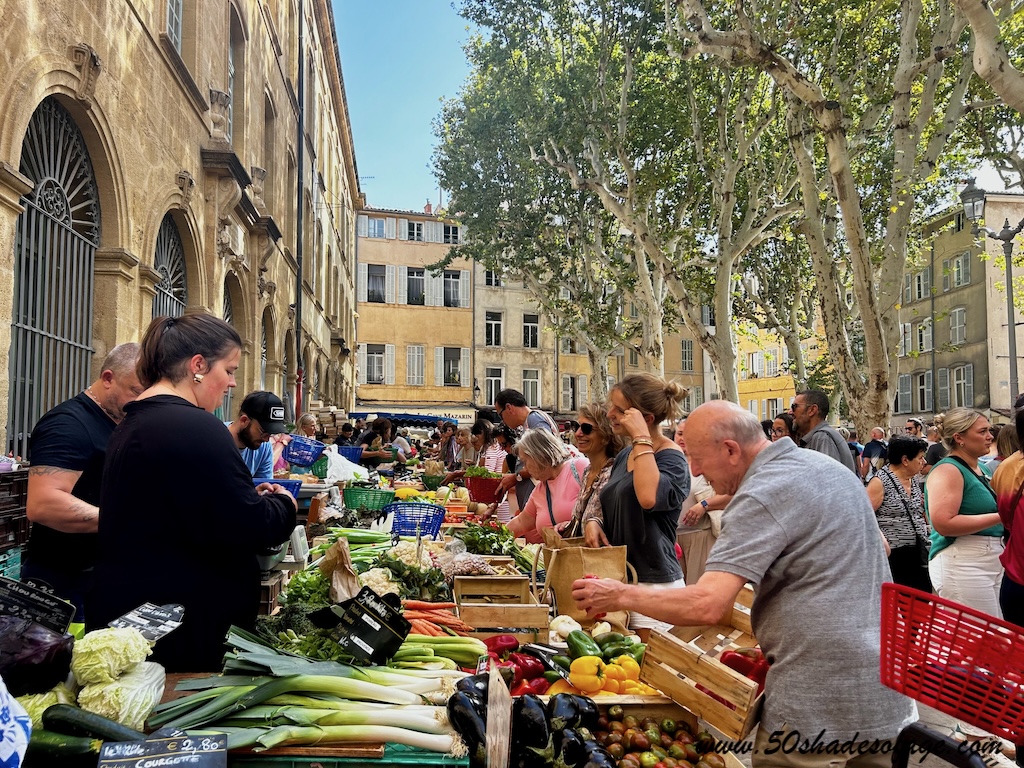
(15, 729)
(341, 469)
(33, 658)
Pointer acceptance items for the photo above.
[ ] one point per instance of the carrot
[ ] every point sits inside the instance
(423, 627)
(422, 605)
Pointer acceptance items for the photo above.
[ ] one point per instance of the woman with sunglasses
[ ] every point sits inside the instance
(649, 481)
(597, 441)
(782, 426)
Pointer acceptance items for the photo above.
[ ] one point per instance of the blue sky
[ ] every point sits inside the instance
(399, 58)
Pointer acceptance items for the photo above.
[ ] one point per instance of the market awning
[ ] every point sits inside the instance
(404, 419)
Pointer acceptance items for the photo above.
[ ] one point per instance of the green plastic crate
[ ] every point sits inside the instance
(10, 562)
(394, 754)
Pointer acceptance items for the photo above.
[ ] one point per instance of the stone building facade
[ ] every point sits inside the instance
(150, 164)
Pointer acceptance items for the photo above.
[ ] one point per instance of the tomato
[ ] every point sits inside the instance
(616, 726)
(691, 753)
(602, 723)
(669, 726)
(648, 760)
(666, 741)
(670, 762)
(615, 712)
(714, 760)
(654, 735)
(627, 764)
(640, 741)
(616, 751)
(684, 737)
(614, 737)
(676, 750)
(630, 721)
(648, 722)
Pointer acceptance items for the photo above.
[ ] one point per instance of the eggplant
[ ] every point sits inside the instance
(468, 717)
(600, 758)
(571, 751)
(563, 711)
(529, 726)
(589, 713)
(476, 683)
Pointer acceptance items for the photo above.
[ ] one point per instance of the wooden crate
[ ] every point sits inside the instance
(493, 589)
(501, 605)
(676, 662)
(269, 590)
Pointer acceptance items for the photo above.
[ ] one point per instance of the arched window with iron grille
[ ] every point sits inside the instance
(172, 290)
(54, 256)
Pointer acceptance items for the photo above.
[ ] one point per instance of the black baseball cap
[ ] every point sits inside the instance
(267, 409)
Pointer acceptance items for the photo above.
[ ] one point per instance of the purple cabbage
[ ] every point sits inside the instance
(33, 658)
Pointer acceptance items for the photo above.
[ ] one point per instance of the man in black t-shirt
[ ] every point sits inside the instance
(67, 450)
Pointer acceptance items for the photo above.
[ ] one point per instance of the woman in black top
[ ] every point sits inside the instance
(650, 479)
(180, 520)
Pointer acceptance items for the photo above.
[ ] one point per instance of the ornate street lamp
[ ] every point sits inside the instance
(973, 199)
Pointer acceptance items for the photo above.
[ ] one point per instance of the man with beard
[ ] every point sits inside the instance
(260, 416)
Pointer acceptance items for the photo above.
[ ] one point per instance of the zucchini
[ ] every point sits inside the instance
(64, 718)
(46, 749)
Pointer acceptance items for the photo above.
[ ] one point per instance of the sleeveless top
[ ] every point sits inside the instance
(978, 499)
(900, 517)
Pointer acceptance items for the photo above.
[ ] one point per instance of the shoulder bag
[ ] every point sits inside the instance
(924, 547)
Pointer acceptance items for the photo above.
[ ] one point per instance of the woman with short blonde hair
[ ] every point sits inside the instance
(559, 477)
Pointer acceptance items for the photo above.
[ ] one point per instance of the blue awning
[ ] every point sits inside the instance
(404, 419)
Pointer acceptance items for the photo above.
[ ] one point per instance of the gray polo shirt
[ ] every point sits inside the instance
(826, 439)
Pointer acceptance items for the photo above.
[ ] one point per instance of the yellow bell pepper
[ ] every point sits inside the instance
(562, 686)
(629, 666)
(630, 687)
(587, 673)
(614, 677)
(611, 685)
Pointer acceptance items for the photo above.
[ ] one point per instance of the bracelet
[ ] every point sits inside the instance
(643, 453)
(643, 441)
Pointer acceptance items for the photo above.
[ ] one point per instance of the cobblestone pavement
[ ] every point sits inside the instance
(940, 723)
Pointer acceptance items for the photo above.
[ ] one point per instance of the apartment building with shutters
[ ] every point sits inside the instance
(953, 342)
(414, 329)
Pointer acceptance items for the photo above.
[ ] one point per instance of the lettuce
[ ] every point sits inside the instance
(105, 654)
(129, 699)
(37, 703)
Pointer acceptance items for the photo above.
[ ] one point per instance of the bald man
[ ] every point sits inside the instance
(800, 528)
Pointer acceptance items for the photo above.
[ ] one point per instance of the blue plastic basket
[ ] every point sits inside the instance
(303, 451)
(351, 452)
(292, 486)
(412, 514)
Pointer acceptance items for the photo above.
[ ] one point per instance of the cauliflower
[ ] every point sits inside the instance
(406, 552)
(104, 654)
(380, 581)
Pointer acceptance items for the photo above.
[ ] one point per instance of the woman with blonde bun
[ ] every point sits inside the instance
(966, 538)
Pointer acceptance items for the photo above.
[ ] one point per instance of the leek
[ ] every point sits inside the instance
(286, 734)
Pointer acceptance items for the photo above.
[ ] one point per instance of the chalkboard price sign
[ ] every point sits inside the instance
(193, 751)
(372, 629)
(153, 621)
(35, 602)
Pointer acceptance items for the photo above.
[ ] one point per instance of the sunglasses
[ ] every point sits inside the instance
(586, 429)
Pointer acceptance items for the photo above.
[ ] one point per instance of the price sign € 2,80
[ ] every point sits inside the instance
(194, 751)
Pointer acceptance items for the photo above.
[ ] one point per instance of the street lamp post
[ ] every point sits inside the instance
(973, 199)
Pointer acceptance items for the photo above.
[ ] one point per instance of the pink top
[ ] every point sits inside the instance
(1006, 482)
(565, 488)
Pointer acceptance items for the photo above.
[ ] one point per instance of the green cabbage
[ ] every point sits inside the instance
(105, 654)
(130, 698)
(37, 703)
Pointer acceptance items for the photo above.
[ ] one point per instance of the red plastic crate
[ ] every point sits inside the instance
(955, 659)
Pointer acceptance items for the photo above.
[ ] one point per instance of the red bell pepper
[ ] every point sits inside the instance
(759, 673)
(529, 666)
(715, 696)
(597, 616)
(502, 644)
(537, 686)
(737, 661)
(517, 673)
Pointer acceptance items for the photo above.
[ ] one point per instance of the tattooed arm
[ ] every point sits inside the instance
(51, 503)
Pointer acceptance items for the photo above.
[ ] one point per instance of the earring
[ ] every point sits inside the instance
(197, 378)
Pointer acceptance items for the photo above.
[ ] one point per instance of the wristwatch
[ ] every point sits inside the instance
(519, 478)
(704, 503)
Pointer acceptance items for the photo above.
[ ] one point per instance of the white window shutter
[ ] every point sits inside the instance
(362, 225)
(928, 391)
(389, 363)
(966, 271)
(969, 385)
(403, 285)
(403, 229)
(927, 280)
(361, 363)
(907, 293)
(465, 380)
(927, 337)
(943, 374)
(581, 389)
(389, 284)
(903, 401)
(463, 287)
(389, 228)
(566, 393)
(436, 232)
(361, 273)
(945, 275)
(439, 366)
(436, 284)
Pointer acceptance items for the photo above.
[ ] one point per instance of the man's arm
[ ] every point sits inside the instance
(265, 461)
(706, 602)
(51, 503)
